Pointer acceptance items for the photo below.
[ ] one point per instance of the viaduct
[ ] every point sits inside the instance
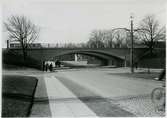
(109, 56)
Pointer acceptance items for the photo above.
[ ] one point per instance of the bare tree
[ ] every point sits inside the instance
(107, 39)
(120, 39)
(109, 36)
(96, 39)
(150, 32)
(22, 30)
(128, 41)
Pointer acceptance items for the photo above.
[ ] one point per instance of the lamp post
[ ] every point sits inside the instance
(131, 31)
(131, 50)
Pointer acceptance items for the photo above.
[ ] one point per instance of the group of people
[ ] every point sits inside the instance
(48, 65)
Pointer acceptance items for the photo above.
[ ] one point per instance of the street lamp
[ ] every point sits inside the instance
(131, 50)
(131, 30)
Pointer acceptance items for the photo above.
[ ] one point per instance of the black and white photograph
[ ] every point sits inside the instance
(83, 58)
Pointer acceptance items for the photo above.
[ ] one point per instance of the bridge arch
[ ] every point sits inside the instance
(106, 58)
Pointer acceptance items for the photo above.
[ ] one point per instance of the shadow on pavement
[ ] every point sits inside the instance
(99, 105)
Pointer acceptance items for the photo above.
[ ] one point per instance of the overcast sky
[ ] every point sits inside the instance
(64, 21)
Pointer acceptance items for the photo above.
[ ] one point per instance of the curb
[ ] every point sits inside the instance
(32, 99)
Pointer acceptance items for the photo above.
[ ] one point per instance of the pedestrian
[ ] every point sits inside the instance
(162, 75)
(136, 65)
(51, 67)
(43, 66)
(46, 67)
(58, 63)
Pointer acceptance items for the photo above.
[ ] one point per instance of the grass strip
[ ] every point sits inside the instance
(17, 95)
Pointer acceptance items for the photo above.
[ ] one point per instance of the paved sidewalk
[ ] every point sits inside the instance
(56, 91)
(66, 102)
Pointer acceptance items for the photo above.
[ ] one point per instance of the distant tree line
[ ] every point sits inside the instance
(148, 34)
(108, 39)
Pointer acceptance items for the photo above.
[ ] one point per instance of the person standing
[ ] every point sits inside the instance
(162, 75)
(46, 67)
(56, 63)
(43, 65)
(51, 67)
(136, 65)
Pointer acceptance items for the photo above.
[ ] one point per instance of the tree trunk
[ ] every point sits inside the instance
(24, 54)
(151, 47)
(151, 51)
(24, 51)
(151, 44)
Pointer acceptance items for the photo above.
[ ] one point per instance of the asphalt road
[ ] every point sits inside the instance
(107, 85)
(129, 94)
(91, 92)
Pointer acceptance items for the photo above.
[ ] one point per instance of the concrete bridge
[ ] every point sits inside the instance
(109, 56)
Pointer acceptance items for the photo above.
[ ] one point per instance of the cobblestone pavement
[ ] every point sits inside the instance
(141, 106)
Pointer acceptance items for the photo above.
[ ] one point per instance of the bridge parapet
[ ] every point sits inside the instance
(119, 54)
